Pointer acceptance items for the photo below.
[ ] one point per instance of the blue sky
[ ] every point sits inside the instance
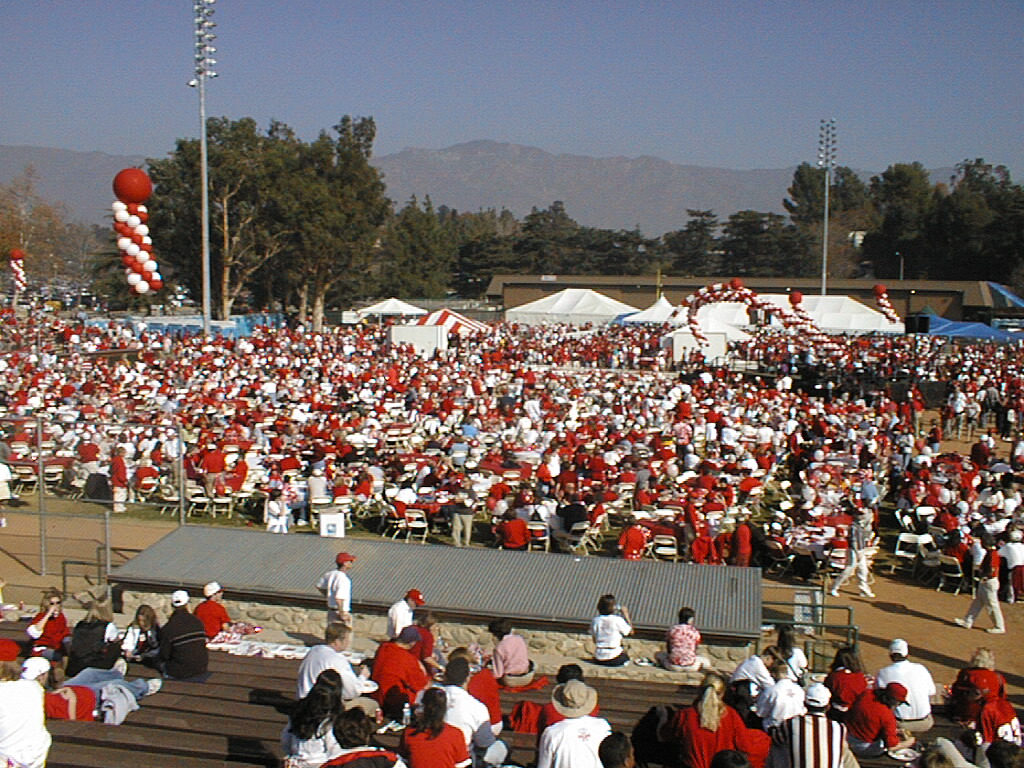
(731, 84)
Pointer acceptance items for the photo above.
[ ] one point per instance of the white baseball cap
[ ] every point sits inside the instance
(179, 597)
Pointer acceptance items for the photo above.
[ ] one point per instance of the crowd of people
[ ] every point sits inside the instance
(537, 434)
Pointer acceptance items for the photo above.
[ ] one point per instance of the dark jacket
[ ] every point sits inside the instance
(183, 645)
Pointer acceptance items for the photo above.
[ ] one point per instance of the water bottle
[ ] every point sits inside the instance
(406, 714)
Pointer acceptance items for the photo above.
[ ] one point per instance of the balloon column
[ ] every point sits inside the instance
(734, 290)
(132, 188)
(18, 269)
(882, 299)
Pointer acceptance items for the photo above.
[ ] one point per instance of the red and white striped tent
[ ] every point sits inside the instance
(453, 322)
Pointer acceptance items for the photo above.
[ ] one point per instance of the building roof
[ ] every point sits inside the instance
(472, 584)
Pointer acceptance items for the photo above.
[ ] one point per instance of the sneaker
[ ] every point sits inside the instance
(302, 524)
(867, 594)
(121, 666)
(154, 684)
(996, 631)
(834, 593)
(962, 623)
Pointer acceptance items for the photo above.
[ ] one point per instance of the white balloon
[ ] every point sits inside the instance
(132, 249)
(117, 205)
(133, 221)
(156, 276)
(142, 229)
(141, 287)
(150, 266)
(134, 278)
(123, 242)
(147, 240)
(142, 257)
(142, 209)
(120, 215)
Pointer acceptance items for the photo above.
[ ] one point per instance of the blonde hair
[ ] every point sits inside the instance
(100, 610)
(710, 703)
(10, 671)
(48, 595)
(983, 658)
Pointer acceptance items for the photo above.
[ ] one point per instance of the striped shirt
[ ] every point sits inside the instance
(812, 741)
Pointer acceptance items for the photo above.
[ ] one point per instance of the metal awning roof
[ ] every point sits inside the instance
(556, 590)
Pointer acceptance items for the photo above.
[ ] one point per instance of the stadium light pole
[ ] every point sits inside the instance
(826, 161)
(202, 12)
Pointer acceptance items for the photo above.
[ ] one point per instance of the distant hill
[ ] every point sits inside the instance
(608, 192)
(80, 180)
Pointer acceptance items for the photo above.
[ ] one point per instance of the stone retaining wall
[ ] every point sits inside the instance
(298, 621)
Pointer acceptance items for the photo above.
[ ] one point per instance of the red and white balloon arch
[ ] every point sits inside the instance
(795, 319)
(132, 188)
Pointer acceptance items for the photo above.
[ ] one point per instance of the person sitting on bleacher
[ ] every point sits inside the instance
(308, 739)
(353, 730)
(49, 628)
(183, 654)
(24, 740)
(398, 673)
(212, 612)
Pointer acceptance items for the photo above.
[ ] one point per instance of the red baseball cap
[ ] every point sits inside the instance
(344, 557)
(9, 650)
(416, 596)
(898, 691)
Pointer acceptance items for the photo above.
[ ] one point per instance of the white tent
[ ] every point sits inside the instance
(661, 311)
(573, 305)
(832, 314)
(453, 322)
(390, 307)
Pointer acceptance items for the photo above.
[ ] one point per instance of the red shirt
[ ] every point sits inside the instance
(998, 720)
(515, 534)
(54, 632)
(698, 745)
(213, 462)
(213, 615)
(72, 702)
(448, 750)
(870, 720)
(484, 688)
(846, 686)
(399, 677)
(118, 472)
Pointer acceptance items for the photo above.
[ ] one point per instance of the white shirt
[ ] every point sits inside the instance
(399, 617)
(1013, 553)
(321, 657)
(338, 587)
(783, 700)
(919, 684)
(470, 716)
(572, 743)
(753, 669)
(23, 734)
(608, 632)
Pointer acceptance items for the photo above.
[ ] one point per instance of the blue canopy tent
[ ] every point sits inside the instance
(956, 329)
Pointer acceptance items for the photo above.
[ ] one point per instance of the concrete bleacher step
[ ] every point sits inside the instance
(72, 755)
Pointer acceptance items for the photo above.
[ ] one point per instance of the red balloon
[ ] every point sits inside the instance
(147, 247)
(795, 298)
(736, 283)
(136, 267)
(156, 285)
(122, 229)
(133, 208)
(143, 216)
(127, 260)
(132, 185)
(880, 290)
(17, 254)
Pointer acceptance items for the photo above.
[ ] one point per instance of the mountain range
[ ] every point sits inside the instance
(606, 192)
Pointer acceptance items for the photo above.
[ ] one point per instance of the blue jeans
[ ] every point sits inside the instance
(94, 679)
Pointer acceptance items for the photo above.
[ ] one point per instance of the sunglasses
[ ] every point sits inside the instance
(55, 602)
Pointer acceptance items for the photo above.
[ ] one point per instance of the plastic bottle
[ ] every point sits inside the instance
(406, 714)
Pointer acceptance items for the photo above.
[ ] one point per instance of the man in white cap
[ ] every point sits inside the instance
(915, 714)
(573, 742)
(183, 654)
(812, 740)
(212, 612)
(24, 740)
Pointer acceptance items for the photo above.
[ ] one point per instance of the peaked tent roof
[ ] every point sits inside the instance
(940, 326)
(573, 305)
(660, 311)
(453, 322)
(390, 306)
